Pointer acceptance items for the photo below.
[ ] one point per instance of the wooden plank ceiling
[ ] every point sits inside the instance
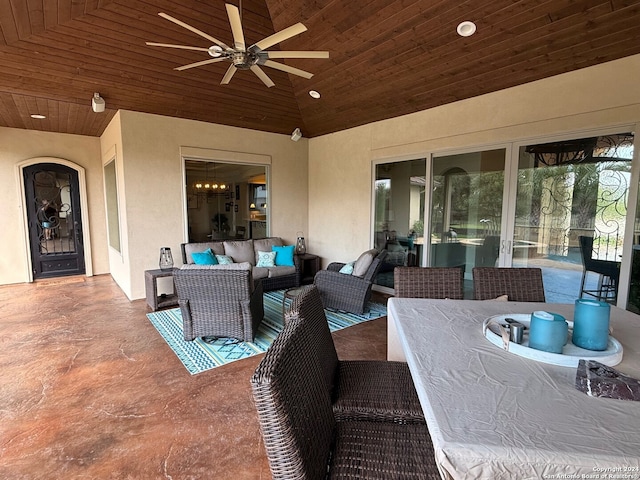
(387, 58)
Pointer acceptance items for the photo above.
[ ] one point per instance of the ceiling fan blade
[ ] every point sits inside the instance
(194, 30)
(262, 76)
(199, 64)
(227, 76)
(183, 47)
(288, 69)
(301, 54)
(278, 37)
(236, 27)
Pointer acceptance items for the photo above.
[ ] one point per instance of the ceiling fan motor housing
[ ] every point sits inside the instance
(243, 60)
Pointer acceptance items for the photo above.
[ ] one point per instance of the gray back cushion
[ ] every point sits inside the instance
(240, 251)
(265, 244)
(364, 262)
(216, 247)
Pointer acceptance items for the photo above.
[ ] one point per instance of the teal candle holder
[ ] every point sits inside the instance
(548, 331)
(591, 324)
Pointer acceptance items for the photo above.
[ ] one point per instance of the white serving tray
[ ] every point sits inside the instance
(570, 355)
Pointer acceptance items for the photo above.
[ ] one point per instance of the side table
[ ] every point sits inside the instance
(155, 301)
(309, 266)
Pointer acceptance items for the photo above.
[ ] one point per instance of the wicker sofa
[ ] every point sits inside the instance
(272, 278)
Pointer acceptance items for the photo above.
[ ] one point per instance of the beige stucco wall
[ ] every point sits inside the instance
(17, 146)
(341, 164)
(153, 191)
(328, 198)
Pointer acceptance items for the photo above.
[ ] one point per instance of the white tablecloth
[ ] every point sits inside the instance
(494, 415)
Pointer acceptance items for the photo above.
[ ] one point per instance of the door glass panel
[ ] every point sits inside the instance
(399, 215)
(55, 214)
(466, 210)
(567, 190)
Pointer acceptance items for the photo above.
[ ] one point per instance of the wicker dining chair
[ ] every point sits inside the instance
(519, 284)
(301, 436)
(428, 282)
(360, 389)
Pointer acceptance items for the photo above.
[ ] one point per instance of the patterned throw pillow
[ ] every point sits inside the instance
(224, 259)
(347, 269)
(266, 259)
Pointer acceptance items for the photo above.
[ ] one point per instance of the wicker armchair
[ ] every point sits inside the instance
(219, 302)
(349, 293)
(428, 282)
(300, 434)
(360, 389)
(519, 284)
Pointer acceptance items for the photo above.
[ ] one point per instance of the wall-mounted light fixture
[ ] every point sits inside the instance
(97, 103)
(296, 135)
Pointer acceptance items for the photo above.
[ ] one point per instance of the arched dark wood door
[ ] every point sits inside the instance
(54, 216)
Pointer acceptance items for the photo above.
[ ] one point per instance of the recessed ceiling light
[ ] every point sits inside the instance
(466, 29)
(38, 116)
(314, 94)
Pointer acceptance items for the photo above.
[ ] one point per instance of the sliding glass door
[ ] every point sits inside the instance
(566, 190)
(521, 205)
(466, 210)
(399, 215)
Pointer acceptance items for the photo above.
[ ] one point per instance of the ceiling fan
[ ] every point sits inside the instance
(243, 58)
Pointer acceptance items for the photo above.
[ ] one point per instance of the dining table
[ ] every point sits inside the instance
(494, 414)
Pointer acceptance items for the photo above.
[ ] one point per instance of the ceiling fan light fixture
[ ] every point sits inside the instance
(38, 116)
(314, 94)
(466, 29)
(215, 51)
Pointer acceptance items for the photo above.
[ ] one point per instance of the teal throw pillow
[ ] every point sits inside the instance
(266, 259)
(347, 269)
(284, 255)
(224, 259)
(204, 258)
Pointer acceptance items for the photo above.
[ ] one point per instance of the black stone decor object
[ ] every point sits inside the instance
(598, 380)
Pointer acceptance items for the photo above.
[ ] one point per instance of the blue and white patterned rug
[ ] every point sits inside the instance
(199, 356)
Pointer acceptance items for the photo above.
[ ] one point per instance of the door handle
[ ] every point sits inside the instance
(506, 246)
